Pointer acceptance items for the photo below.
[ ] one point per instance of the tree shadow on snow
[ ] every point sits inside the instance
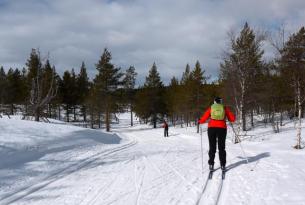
(22, 155)
(250, 160)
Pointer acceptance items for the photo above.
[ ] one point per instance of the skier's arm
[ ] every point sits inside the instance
(205, 116)
(230, 115)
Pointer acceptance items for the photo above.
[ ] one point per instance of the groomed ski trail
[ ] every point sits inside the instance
(209, 195)
(65, 172)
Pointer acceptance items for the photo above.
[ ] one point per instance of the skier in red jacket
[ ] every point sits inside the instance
(165, 126)
(217, 130)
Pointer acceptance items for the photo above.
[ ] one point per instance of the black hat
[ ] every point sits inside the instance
(218, 100)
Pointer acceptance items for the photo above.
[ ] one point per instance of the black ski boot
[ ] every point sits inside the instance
(211, 167)
(223, 174)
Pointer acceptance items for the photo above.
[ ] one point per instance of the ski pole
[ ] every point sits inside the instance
(201, 152)
(241, 147)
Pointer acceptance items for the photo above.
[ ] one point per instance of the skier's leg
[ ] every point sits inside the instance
(221, 135)
(212, 145)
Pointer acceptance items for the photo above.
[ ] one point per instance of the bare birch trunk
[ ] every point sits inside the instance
(299, 127)
(131, 116)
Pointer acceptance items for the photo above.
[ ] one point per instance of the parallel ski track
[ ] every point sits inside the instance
(140, 185)
(102, 189)
(25, 191)
(219, 190)
(203, 190)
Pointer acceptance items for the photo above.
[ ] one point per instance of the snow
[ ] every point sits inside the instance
(56, 163)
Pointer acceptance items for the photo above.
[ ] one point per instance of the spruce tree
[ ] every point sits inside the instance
(66, 91)
(106, 83)
(83, 89)
(197, 80)
(3, 86)
(74, 93)
(129, 83)
(14, 89)
(173, 99)
(155, 103)
(186, 95)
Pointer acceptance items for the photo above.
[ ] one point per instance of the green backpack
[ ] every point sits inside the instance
(217, 112)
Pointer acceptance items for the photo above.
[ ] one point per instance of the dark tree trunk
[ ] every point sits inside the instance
(67, 113)
(59, 113)
(85, 113)
(92, 119)
(281, 118)
(99, 120)
(12, 109)
(107, 121)
(244, 121)
(74, 113)
(155, 121)
(37, 114)
(49, 111)
(252, 121)
(131, 117)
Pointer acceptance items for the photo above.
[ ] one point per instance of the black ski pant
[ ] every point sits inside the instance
(217, 135)
(166, 132)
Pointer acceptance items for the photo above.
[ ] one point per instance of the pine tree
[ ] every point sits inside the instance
(14, 89)
(74, 93)
(186, 95)
(106, 83)
(3, 86)
(66, 91)
(173, 99)
(129, 83)
(47, 76)
(155, 99)
(83, 89)
(198, 79)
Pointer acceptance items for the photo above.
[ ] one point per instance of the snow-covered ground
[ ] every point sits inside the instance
(43, 163)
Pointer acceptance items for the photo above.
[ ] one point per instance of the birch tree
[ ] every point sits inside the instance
(292, 64)
(40, 95)
(240, 66)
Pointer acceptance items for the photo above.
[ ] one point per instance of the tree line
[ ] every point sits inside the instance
(39, 91)
(253, 86)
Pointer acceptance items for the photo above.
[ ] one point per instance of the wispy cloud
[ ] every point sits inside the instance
(137, 32)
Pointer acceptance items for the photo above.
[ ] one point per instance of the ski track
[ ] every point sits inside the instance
(157, 174)
(165, 172)
(207, 190)
(140, 184)
(101, 191)
(26, 191)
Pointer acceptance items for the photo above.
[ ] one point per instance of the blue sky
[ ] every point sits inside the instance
(171, 33)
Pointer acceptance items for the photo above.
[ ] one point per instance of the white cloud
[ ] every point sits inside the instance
(137, 32)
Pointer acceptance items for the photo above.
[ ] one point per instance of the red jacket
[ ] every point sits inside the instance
(217, 123)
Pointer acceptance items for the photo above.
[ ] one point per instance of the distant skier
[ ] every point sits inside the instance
(165, 126)
(217, 130)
